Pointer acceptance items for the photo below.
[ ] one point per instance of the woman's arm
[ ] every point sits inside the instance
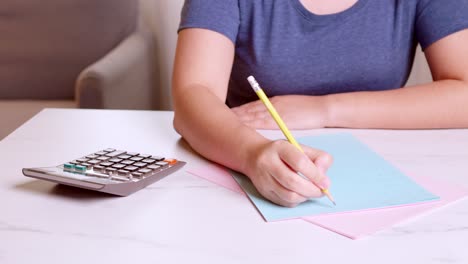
(202, 67)
(201, 73)
(440, 104)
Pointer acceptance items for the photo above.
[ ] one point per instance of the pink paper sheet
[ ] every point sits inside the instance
(356, 224)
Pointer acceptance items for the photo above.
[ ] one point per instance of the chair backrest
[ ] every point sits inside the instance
(45, 44)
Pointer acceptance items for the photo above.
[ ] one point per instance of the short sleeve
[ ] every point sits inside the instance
(221, 16)
(437, 19)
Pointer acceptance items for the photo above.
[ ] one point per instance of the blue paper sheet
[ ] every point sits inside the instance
(361, 180)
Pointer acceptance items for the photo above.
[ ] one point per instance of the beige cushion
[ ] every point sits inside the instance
(45, 44)
(13, 113)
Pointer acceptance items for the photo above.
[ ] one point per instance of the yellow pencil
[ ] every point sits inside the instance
(258, 90)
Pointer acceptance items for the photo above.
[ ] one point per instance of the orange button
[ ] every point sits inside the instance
(171, 161)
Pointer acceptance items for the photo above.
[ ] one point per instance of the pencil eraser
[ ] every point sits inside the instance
(253, 83)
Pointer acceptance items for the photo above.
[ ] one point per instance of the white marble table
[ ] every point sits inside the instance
(183, 219)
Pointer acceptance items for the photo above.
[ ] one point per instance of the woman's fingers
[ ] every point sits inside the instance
(302, 163)
(283, 196)
(255, 106)
(253, 111)
(274, 191)
(290, 180)
(321, 159)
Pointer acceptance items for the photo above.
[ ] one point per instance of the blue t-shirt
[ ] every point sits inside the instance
(289, 50)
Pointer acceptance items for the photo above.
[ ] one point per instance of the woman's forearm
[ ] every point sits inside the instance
(440, 104)
(211, 128)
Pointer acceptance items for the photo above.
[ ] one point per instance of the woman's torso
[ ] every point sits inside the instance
(367, 47)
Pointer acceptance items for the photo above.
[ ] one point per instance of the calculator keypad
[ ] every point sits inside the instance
(118, 165)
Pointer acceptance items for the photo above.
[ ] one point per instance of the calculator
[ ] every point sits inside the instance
(110, 170)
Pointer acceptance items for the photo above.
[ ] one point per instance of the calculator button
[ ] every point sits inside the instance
(103, 158)
(171, 161)
(115, 153)
(131, 168)
(153, 167)
(100, 153)
(132, 153)
(123, 172)
(109, 150)
(138, 175)
(148, 160)
(144, 171)
(136, 158)
(87, 165)
(74, 162)
(92, 156)
(82, 160)
(140, 164)
(124, 156)
(94, 162)
(99, 168)
(144, 156)
(110, 170)
(106, 164)
(116, 160)
(162, 163)
(157, 158)
(127, 162)
(118, 166)
(68, 166)
(80, 168)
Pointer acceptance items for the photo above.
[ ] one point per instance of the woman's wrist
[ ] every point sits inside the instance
(249, 152)
(334, 110)
(329, 111)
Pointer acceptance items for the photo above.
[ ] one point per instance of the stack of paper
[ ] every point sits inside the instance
(371, 194)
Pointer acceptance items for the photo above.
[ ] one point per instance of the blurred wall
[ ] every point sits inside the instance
(163, 17)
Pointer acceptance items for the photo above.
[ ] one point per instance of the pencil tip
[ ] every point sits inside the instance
(330, 197)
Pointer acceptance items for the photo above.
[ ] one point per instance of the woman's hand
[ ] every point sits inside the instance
(273, 170)
(297, 111)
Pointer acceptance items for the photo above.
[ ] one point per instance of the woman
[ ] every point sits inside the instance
(337, 63)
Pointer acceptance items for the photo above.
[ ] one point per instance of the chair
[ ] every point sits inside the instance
(72, 53)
